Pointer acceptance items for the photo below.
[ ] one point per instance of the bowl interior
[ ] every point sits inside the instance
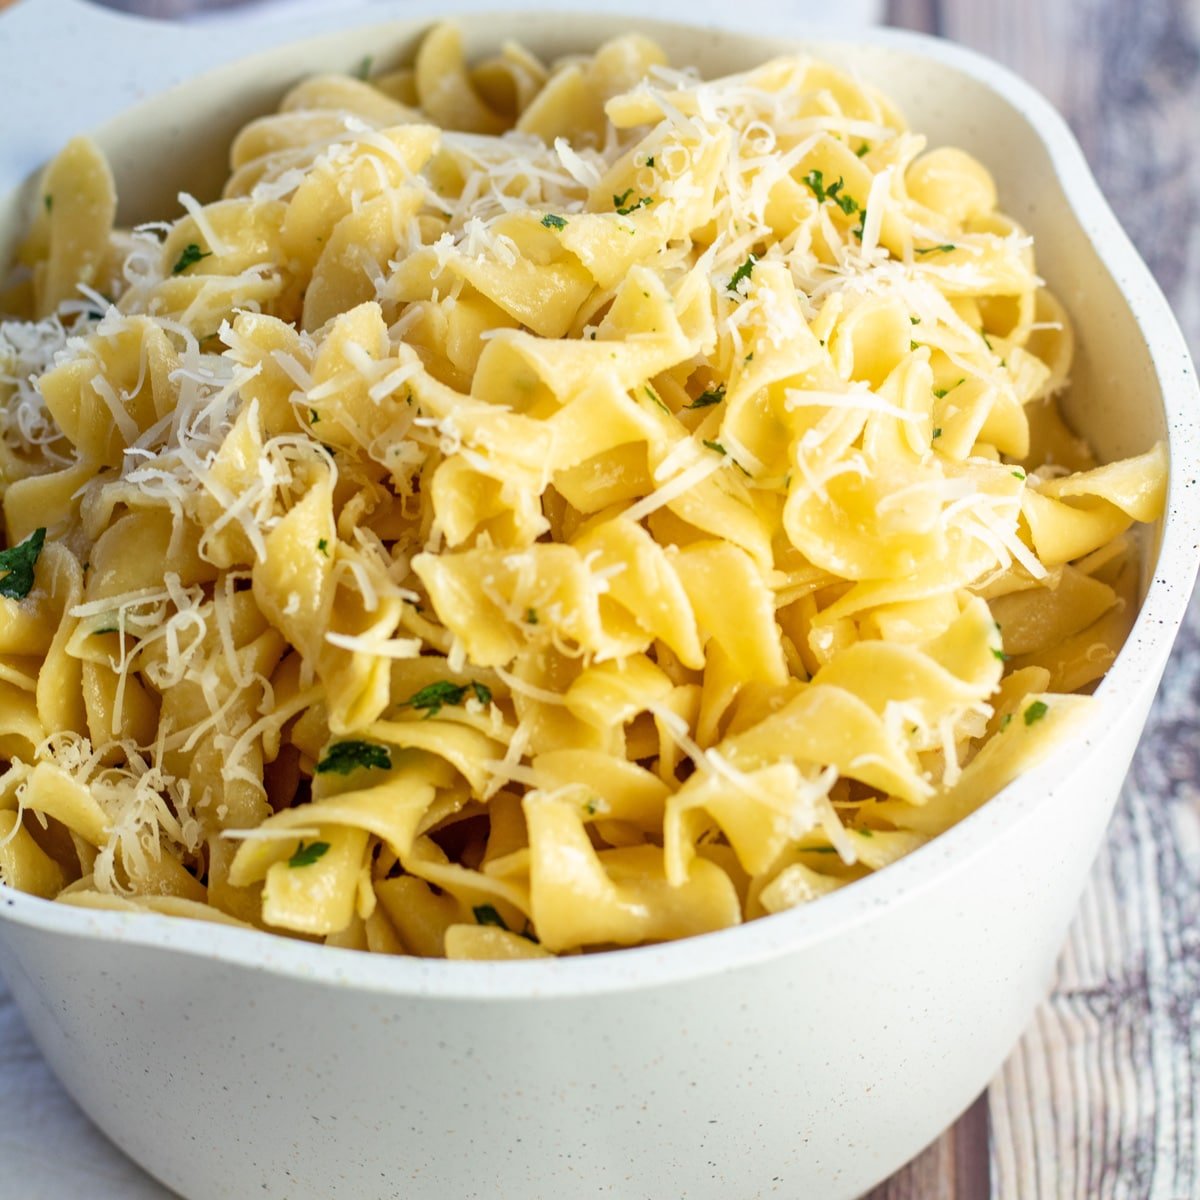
(1126, 341)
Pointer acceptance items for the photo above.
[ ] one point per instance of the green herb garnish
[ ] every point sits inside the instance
(937, 431)
(709, 397)
(743, 272)
(363, 70)
(1036, 711)
(18, 562)
(48, 201)
(343, 757)
(816, 183)
(434, 696)
(305, 856)
(486, 914)
(846, 203)
(191, 255)
(552, 222)
(531, 617)
(323, 546)
(914, 320)
(1006, 722)
(625, 209)
(944, 248)
(717, 447)
(863, 149)
(656, 398)
(1018, 474)
(999, 654)
(313, 416)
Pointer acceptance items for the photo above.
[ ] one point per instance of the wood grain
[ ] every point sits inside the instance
(1101, 1099)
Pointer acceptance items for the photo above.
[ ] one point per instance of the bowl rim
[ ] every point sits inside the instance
(1137, 665)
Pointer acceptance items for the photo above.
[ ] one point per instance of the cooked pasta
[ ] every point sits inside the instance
(538, 509)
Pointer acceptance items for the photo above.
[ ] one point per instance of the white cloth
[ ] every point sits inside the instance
(48, 1148)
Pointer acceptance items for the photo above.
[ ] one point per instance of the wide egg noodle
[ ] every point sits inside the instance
(538, 508)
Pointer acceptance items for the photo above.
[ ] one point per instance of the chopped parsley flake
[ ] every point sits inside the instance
(313, 416)
(650, 161)
(743, 272)
(941, 393)
(622, 205)
(1006, 722)
(1018, 474)
(552, 222)
(592, 806)
(18, 562)
(914, 345)
(625, 209)
(914, 320)
(863, 149)
(816, 183)
(999, 654)
(305, 856)
(191, 255)
(986, 340)
(847, 204)
(749, 357)
(865, 832)
(434, 696)
(709, 397)
(860, 228)
(363, 70)
(717, 447)
(323, 546)
(48, 201)
(343, 757)
(944, 248)
(1036, 711)
(486, 914)
(531, 617)
(656, 398)
(937, 431)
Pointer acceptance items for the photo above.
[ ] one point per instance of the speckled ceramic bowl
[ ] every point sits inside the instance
(805, 1055)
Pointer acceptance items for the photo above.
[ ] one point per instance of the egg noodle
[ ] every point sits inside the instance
(537, 509)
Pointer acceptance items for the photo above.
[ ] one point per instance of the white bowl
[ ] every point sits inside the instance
(804, 1055)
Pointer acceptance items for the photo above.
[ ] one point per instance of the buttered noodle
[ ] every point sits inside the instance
(538, 508)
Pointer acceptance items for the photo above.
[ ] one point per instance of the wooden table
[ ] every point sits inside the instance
(1101, 1099)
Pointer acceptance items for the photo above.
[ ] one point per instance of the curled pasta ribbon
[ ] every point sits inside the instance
(539, 508)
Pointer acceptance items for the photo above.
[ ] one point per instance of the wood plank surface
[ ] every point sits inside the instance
(1101, 1099)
